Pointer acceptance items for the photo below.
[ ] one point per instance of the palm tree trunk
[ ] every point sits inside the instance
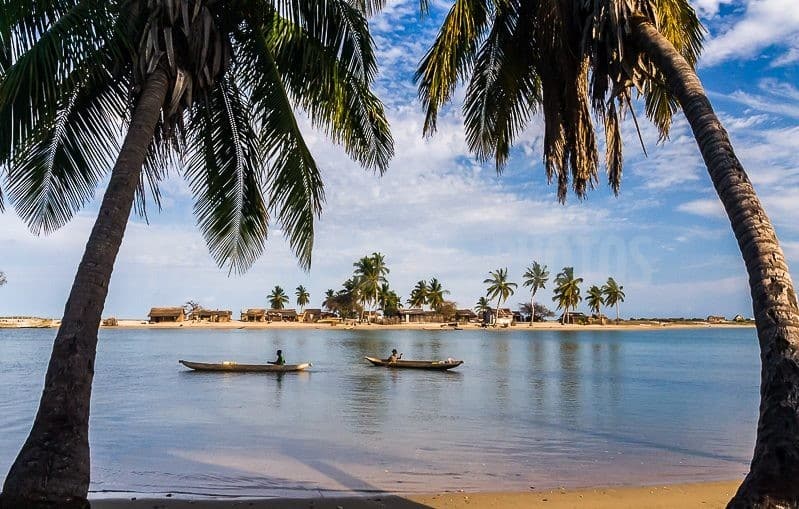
(617, 312)
(52, 469)
(532, 310)
(771, 481)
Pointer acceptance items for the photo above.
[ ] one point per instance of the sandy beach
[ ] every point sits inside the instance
(705, 495)
(235, 324)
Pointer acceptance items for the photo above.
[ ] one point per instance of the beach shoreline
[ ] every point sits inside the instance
(423, 326)
(662, 496)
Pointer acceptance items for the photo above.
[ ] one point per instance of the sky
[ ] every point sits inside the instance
(439, 213)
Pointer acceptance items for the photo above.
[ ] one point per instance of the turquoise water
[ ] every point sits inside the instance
(527, 409)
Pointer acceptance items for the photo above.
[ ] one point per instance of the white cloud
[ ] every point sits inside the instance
(764, 23)
(710, 207)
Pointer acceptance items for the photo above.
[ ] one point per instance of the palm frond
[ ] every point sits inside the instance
(504, 89)
(223, 171)
(451, 56)
(337, 101)
(62, 161)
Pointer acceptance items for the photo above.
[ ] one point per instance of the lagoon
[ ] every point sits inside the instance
(526, 409)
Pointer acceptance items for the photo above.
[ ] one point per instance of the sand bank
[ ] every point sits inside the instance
(704, 495)
(235, 324)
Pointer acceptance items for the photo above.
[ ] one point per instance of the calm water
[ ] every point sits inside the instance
(526, 409)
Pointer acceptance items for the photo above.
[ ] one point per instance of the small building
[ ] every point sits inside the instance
(282, 315)
(311, 315)
(212, 315)
(164, 315)
(739, 318)
(465, 316)
(411, 315)
(253, 315)
(716, 319)
(574, 318)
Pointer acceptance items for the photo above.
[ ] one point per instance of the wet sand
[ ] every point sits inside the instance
(705, 495)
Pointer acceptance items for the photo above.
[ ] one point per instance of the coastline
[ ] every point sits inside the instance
(548, 326)
(44, 323)
(687, 495)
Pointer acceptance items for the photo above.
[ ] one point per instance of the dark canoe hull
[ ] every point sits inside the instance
(234, 367)
(434, 365)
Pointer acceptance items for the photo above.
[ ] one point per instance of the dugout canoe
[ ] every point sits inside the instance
(435, 365)
(235, 367)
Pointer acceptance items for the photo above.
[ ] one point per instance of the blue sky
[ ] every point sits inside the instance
(437, 213)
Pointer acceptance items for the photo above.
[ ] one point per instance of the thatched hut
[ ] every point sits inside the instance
(282, 315)
(716, 319)
(311, 315)
(163, 315)
(212, 315)
(253, 315)
(411, 315)
(465, 316)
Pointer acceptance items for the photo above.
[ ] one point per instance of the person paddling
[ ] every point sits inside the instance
(394, 357)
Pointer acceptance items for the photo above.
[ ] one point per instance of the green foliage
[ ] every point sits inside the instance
(567, 290)
(594, 299)
(418, 296)
(482, 306)
(499, 286)
(303, 297)
(614, 294)
(71, 72)
(434, 295)
(278, 298)
(567, 58)
(536, 277)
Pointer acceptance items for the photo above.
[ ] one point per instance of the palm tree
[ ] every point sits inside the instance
(482, 306)
(535, 277)
(567, 291)
(435, 294)
(278, 298)
(499, 287)
(595, 300)
(214, 85)
(3, 279)
(568, 58)
(418, 296)
(330, 300)
(614, 294)
(303, 297)
(371, 272)
(389, 300)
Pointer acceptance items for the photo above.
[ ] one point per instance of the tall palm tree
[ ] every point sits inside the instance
(536, 276)
(212, 85)
(567, 291)
(568, 58)
(389, 300)
(482, 306)
(614, 294)
(371, 272)
(278, 298)
(435, 294)
(418, 296)
(303, 297)
(595, 299)
(499, 287)
(330, 300)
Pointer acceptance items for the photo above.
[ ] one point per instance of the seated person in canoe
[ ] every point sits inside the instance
(394, 357)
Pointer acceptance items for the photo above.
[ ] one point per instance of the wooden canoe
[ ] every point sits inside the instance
(235, 367)
(435, 365)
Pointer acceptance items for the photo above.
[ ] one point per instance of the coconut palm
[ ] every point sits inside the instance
(614, 294)
(499, 287)
(482, 306)
(303, 297)
(569, 58)
(418, 296)
(278, 298)
(389, 300)
(536, 276)
(329, 302)
(567, 291)
(595, 299)
(371, 272)
(212, 85)
(435, 294)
